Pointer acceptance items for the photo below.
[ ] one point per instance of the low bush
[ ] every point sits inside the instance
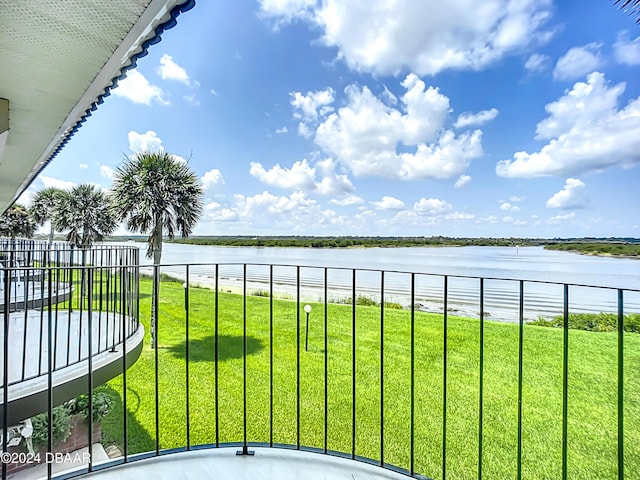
(102, 404)
(60, 426)
(593, 322)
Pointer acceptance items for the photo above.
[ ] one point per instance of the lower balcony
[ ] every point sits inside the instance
(314, 373)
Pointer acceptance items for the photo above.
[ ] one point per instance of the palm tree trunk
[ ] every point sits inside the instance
(51, 235)
(156, 249)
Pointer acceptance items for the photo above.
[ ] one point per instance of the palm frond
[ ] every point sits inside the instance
(631, 7)
(158, 195)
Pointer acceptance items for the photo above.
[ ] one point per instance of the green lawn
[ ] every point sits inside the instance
(592, 387)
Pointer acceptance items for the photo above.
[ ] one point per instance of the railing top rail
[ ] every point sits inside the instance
(322, 267)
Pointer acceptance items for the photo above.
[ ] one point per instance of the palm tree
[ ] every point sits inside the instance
(156, 194)
(16, 222)
(43, 207)
(85, 212)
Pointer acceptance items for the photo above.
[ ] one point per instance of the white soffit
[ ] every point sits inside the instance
(56, 59)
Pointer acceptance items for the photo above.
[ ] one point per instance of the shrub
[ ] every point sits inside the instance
(102, 404)
(593, 322)
(393, 305)
(60, 426)
(260, 293)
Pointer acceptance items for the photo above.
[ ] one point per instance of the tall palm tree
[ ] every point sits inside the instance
(85, 212)
(156, 194)
(16, 222)
(43, 207)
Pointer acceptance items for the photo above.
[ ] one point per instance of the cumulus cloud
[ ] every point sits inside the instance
(537, 63)
(295, 212)
(138, 89)
(170, 70)
(586, 131)
(389, 203)
(508, 207)
(365, 134)
(386, 37)
(462, 181)
(83, 166)
(432, 206)
(627, 51)
(307, 106)
(469, 119)
(142, 142)
(284, 11)
(282, 130)
(107, 172)
(211, 178)
(55, 182)
(572, 196)
(299, 177)
(302, 176)
(562, 218)
(516, 199)
(347, 200)
(215, 212)
(578, 61)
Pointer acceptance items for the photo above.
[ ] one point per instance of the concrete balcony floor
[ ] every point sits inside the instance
(266, 464)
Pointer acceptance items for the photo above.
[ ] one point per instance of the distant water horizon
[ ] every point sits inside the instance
(502, 267)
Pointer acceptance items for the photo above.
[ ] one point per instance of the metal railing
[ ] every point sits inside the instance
(402, 380)
(82, 290)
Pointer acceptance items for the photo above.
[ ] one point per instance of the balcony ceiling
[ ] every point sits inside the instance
(56, 59)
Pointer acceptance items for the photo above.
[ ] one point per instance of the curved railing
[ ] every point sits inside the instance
(67, 312)
(384, 367)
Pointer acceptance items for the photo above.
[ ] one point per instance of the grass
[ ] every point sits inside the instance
(592, 419)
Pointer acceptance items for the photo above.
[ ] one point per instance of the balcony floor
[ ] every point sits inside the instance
(266, 464)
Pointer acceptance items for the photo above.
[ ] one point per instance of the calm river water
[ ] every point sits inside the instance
(511, 264)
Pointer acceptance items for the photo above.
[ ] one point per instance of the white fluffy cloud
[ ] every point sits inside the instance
(170, 70)
(365, 134)
(83, 166)
(562, 218)
(302, 176)
(54, 182)
(136, 87)
(586, 132)
(389, 203)
(347, 200)
(462, 181)
(627, 51)
(211, 178)
(389, 36)
(295, 212)
(537, 62)
(469, 119)
(432, 206)
(282, 130)
(107, 172)
(306, 106)
(577, 62)
(573, 195)
(299, 177)
(142, 142)
(508, 207)
(214, 212)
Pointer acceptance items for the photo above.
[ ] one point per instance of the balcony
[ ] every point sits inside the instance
(281, 371)
(63, 321)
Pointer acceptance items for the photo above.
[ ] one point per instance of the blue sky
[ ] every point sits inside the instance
(387, 117)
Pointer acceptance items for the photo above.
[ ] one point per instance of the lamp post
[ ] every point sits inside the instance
(307, 310)
(186, 298)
